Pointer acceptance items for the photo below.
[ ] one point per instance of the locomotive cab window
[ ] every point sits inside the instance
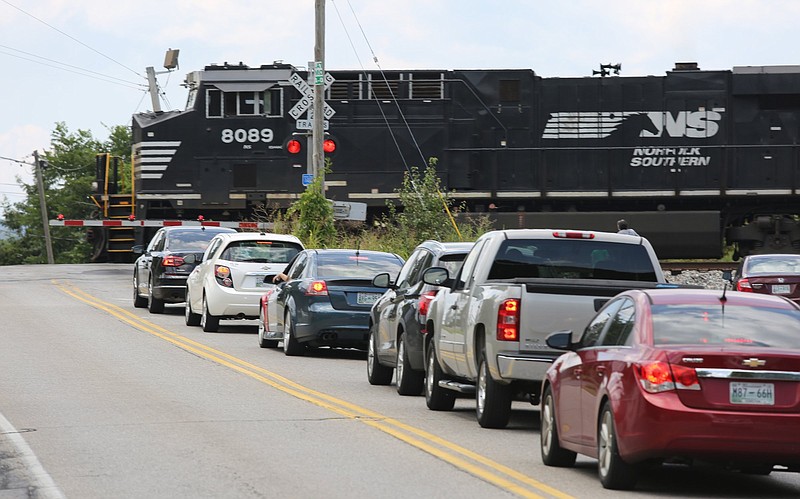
(228, 104)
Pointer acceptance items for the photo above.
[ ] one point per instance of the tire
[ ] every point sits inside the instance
(436, 397)
(492, 399)
(154, 305)
(377, 373)
(613, 471)
(291, 346)
(191, 318)
(409, 381)
(209, 323)
(138, 301)
(263, 342)
(552, 452)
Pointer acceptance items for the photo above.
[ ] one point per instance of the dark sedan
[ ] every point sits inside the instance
(397, 331)
(159, 274)
(677, 376)
(324, 299)
(774, 274)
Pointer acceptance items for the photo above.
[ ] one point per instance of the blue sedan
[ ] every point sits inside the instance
(323, 298)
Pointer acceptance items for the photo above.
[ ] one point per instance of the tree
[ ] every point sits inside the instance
(315, 224)
(68, 172)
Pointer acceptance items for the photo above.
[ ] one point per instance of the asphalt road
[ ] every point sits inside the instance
(101, 400)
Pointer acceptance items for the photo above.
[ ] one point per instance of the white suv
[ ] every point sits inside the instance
(229, 282)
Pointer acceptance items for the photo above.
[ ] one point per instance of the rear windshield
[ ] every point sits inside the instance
(361, 266)
(572, 259)
(260, 251)
(190, 240)
(452, 262)
(729, 325)
(784, 264)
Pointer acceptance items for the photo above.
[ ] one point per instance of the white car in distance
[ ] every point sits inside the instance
(229, 281)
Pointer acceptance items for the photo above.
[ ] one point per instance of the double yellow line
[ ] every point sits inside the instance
(464, 459)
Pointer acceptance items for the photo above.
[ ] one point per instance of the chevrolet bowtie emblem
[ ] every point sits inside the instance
(753, 362)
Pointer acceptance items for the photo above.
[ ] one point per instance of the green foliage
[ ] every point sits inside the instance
(67, 179)
(314, 223)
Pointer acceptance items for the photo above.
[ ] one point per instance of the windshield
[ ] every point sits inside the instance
(726, 325)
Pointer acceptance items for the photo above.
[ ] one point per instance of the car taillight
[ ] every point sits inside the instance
(223, 275)
(317, 288)
(422, 309)
(744, 285)
(172, 261)
(657, 377)
(508, 320)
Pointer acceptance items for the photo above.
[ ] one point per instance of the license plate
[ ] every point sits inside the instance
(752, 393)
(258, 282)
(367, 298)
(780, 289)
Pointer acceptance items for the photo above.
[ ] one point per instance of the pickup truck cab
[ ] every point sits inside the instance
(488, 324)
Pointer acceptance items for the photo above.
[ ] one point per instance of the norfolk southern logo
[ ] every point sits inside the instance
(599, 125)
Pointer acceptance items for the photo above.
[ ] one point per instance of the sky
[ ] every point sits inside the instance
(82, 62)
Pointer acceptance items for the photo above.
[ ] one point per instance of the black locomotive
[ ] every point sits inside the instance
(694, 159)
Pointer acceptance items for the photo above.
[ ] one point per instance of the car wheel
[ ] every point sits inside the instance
(552, 452)
(209, 323)
(263, 342)
(191, 318)
(138, 301)
(377, 373)
(492, 399)
(154, 305)
(291, 346)
(436, 397)
(409, 381)
(614, 472)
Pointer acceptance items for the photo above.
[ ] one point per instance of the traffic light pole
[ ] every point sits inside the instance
(317, 132)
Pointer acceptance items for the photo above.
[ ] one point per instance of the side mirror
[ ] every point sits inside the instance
(560, 340)
(192, 258)
(270, 278)
(728, 275)
(137, 249)
(436, 276)
(382, 280)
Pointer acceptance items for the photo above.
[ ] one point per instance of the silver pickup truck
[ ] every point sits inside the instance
(487, 325)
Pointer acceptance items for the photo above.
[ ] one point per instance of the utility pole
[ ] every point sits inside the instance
(317, 132)
(43, 207)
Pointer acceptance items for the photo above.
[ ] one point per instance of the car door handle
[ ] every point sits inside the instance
(453, 307)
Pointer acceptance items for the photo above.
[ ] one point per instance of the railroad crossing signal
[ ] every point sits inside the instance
(307, 100)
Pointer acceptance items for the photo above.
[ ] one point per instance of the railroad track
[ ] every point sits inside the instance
(702, 266)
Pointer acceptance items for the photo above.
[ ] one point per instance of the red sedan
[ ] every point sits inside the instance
(677, 375)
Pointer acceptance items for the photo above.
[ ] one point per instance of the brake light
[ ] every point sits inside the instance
(572, 234)
(508, 320)
(223, 275)
(317, 288)
(172, 261)
(657, 377)
(744, 285)
(422, 309)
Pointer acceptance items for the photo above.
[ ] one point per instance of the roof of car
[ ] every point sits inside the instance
(677, 296)
(196, 228)
(451, 247)
(258, 236)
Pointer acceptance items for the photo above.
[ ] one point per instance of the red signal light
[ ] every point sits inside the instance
(294, 146)
(329, 146)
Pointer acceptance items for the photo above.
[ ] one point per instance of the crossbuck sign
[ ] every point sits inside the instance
(305, 103)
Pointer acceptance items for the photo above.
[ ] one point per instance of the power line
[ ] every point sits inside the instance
(126, 82)
(72, 38)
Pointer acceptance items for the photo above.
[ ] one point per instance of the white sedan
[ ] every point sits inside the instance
(229, 281)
